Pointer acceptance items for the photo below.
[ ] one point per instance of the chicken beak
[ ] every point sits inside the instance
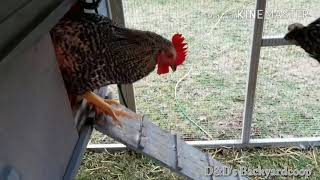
(174, 68)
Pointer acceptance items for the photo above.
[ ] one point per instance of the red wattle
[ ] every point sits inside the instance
(162, 69)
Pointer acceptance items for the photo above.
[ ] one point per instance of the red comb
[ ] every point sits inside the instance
(179, 45)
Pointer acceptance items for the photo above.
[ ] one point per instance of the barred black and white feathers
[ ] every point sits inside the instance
(307, 37)
(92, 52)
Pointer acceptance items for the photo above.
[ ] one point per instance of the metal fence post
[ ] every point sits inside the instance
(253, 70)
(115, 12)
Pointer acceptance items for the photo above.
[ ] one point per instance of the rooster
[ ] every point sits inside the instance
(307, 37)
(92, 51)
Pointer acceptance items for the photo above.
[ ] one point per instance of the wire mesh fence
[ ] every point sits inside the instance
(287, 96)
(204, 99)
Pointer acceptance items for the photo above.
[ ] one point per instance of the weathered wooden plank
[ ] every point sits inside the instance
(157, 143)
(210, 164)
(214, 163)
(191, 161)
(177, 149)
(143, 136)
(128, 135)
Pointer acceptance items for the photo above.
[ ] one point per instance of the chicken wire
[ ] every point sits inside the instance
(209, 100)
(287, 95)
(208, 103)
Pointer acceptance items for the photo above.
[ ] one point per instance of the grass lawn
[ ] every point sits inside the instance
(213, 92)
(132, 166)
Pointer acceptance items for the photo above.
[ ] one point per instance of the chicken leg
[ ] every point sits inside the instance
(105, 106)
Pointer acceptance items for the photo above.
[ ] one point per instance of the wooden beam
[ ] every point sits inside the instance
(115, 11)
(142, 136)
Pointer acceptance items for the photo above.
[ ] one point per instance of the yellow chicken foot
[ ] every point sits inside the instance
(112, 101)
(104, 106)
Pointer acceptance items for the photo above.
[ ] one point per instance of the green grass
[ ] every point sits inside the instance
(131, 166)
(219, 50)
(121, 165)
(213, 93)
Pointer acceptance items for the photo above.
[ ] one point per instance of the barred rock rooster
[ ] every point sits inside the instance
(307, 37)
(92, 52)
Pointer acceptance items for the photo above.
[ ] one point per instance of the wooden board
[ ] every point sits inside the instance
(169, 150)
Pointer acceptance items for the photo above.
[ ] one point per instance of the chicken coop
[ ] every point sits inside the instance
(39, 137)
(227, 94)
